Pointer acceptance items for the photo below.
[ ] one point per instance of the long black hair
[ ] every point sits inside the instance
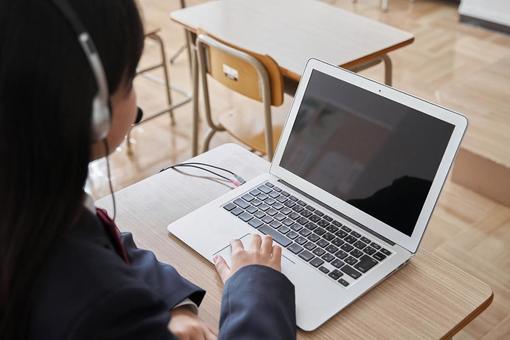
(46, 91)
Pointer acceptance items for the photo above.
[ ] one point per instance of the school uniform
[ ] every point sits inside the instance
(96, 284)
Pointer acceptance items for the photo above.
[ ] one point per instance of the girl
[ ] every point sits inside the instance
(65, 271)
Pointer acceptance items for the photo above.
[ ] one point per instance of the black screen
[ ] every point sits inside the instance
(378, 155)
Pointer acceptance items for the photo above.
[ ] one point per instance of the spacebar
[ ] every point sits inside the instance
(276, 235)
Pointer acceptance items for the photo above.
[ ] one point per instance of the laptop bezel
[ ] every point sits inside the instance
(412, 242)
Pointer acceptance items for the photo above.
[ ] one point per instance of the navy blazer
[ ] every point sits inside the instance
(86, 291)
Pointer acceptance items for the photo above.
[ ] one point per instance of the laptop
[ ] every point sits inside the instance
(353, 183)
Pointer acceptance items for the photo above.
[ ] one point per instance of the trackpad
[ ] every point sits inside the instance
(226, 252)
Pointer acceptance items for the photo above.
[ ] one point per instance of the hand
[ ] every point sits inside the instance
(261, 251)
(186, 325)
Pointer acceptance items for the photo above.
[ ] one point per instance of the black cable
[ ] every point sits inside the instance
(212, 166)
(107, 150)
(189, 165)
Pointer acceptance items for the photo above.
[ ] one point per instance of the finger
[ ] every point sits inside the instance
(222, 268)
(236, 245)
(267, 245)
(256, 241)
(277, 255)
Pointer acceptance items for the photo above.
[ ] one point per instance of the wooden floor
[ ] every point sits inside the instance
(461, 66)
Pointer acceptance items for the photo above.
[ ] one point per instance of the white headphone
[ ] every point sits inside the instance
(101, 114)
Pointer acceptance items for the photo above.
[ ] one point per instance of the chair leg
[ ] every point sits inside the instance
(208, 138)
(166, 74)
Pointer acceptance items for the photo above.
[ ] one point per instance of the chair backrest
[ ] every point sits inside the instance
(225, 65)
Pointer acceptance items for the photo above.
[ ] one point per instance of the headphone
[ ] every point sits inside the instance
(101, 113)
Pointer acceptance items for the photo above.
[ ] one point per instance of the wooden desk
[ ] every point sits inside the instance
(291, 32)
(428, 298)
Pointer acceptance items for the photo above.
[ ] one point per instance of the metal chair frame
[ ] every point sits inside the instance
(204, 41)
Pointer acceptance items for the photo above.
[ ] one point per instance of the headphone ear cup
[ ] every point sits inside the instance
(101, 119)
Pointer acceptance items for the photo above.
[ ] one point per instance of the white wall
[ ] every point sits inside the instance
(497, 11)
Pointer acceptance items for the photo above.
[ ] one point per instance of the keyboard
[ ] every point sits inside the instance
(334, 249)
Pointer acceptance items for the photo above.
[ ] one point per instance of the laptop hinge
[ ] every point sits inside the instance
(368, 230)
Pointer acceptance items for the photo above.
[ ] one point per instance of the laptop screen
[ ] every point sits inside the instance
(376, 154)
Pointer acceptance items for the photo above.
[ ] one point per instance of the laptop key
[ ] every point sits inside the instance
(275, 224)
(302, 220)
(236, 211)
(316, 262)
(319, 251)
(311, 226)
(255, 192)
(337, 263)
(310, 246)
(320, 213)
(347, 229)
(385, 252)
(245, 217)
(255, 223)
(277, 189)
(262, 197)
(365, 263)
(335, 274)
(314, 218)
(285, 193)
(337, 242)
(263, 207)
(343, 282)
(347, 247)
(351, 272)
(286, 211)
(351, 260)
(324, 270)
(341, 254)
(264, 189)
(301, 203)
(328, 218)
(248, 197)
(294, 198)
(241, 203)
(269, 184)
(319, 231)
(292, 235)
(379, 256)
(277, 205)
(338, 224)
(259, 214)
(256, 202)
(301, 240)
(274, 194)
(328, 236)
(272, 212)
(290, 203)
(355, 234)
(365, 239)
(270, 201)
(328, 257)
(323, 223)
(309, 207)
(251, 210)
(350, 239)
(306, 255)
(280, 217)
(295, 248)
(306, 213)
(341, 233)
(305, 232)
(284, 229)
(360, 245)
(313, 237)
(375, 245)
(332, 249)
(294, 215)
(277, 237)
(267, 219)
(322, 243)
(297, 208)
(281, 199)
(332, 229)
(288, 222)
(356, 253)
(229, 206)
(369, 250)
(296, 227)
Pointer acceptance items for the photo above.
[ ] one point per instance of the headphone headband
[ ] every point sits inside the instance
(101, 115)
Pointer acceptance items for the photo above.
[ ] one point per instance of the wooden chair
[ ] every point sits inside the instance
(251, 74)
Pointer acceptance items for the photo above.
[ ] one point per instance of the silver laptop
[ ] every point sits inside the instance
(353, 183)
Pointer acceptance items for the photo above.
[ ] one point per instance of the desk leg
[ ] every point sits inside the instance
(388, 70)
(194, 95)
